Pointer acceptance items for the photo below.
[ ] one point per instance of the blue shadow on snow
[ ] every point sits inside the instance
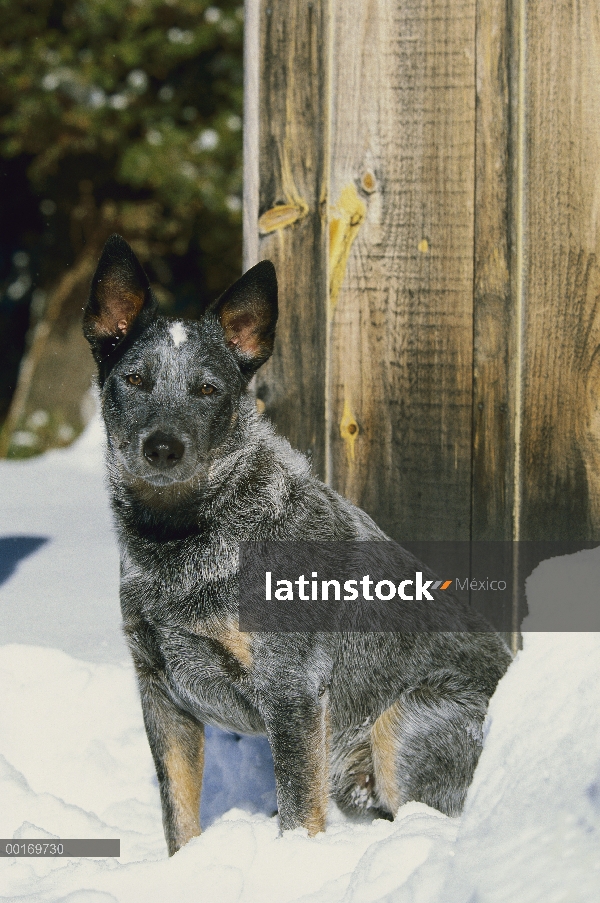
(238, 773)
(13, 549)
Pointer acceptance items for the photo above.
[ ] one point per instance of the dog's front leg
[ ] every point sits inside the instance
(177, 744)
(298, 732)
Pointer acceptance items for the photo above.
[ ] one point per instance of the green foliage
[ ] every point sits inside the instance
(129, 117)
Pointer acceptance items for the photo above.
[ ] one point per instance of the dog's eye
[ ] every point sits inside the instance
(134, 379)
(207, 389)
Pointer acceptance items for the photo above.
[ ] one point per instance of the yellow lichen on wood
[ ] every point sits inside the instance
(348, 430)
(280, 216)
(344, 224)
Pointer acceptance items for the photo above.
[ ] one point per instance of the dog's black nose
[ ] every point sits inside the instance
(163, 451)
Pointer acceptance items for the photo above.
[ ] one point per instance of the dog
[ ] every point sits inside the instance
(371, 720)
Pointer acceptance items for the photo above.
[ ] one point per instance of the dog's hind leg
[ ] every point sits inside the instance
(385, 751)
(426, 745)
(352, 772)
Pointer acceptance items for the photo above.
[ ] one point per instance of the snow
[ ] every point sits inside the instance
(74, 760)
(530, 828)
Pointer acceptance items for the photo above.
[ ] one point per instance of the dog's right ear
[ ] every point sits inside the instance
(120, 297)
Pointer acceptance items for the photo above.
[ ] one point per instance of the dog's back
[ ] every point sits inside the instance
(375, 719)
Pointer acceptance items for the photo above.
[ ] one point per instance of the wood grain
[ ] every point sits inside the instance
(293, 112)
(400, 367)
(561, 364)
(494, 346)
(428, 187)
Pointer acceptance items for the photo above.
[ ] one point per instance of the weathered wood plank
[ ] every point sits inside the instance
(252, 93)
(402, 175)
(293, 114)
(561, 275)
(494, 350)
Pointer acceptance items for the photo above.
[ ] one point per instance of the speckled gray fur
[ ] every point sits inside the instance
(317, 696)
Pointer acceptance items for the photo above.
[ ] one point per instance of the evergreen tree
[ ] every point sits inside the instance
(118, 116)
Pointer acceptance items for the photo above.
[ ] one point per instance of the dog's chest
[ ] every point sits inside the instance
(209, 671)
(192, 639)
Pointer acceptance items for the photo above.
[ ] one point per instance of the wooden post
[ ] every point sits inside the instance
(292, 151)
(561, 272)
(424, 175)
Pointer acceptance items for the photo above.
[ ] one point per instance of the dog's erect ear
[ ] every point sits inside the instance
(247, 311)
(120, 297)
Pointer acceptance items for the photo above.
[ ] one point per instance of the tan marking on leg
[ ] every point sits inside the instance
(230, 636)
(385, 745)
(237, 643)
(315, 821)
(185, 787)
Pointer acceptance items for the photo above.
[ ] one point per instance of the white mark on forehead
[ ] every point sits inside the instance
(178, 334)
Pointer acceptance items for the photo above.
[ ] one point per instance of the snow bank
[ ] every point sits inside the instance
(74, 761)
(530, 829)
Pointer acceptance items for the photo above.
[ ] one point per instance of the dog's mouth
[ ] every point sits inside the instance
(160, 480)
(163, 496)
(163, 491)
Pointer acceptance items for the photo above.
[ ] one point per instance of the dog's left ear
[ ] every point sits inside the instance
(120, 297)
(247, 312)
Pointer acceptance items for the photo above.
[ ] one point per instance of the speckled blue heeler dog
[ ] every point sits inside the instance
(371, 719)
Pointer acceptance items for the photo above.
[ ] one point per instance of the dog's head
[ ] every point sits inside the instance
(171, 389)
